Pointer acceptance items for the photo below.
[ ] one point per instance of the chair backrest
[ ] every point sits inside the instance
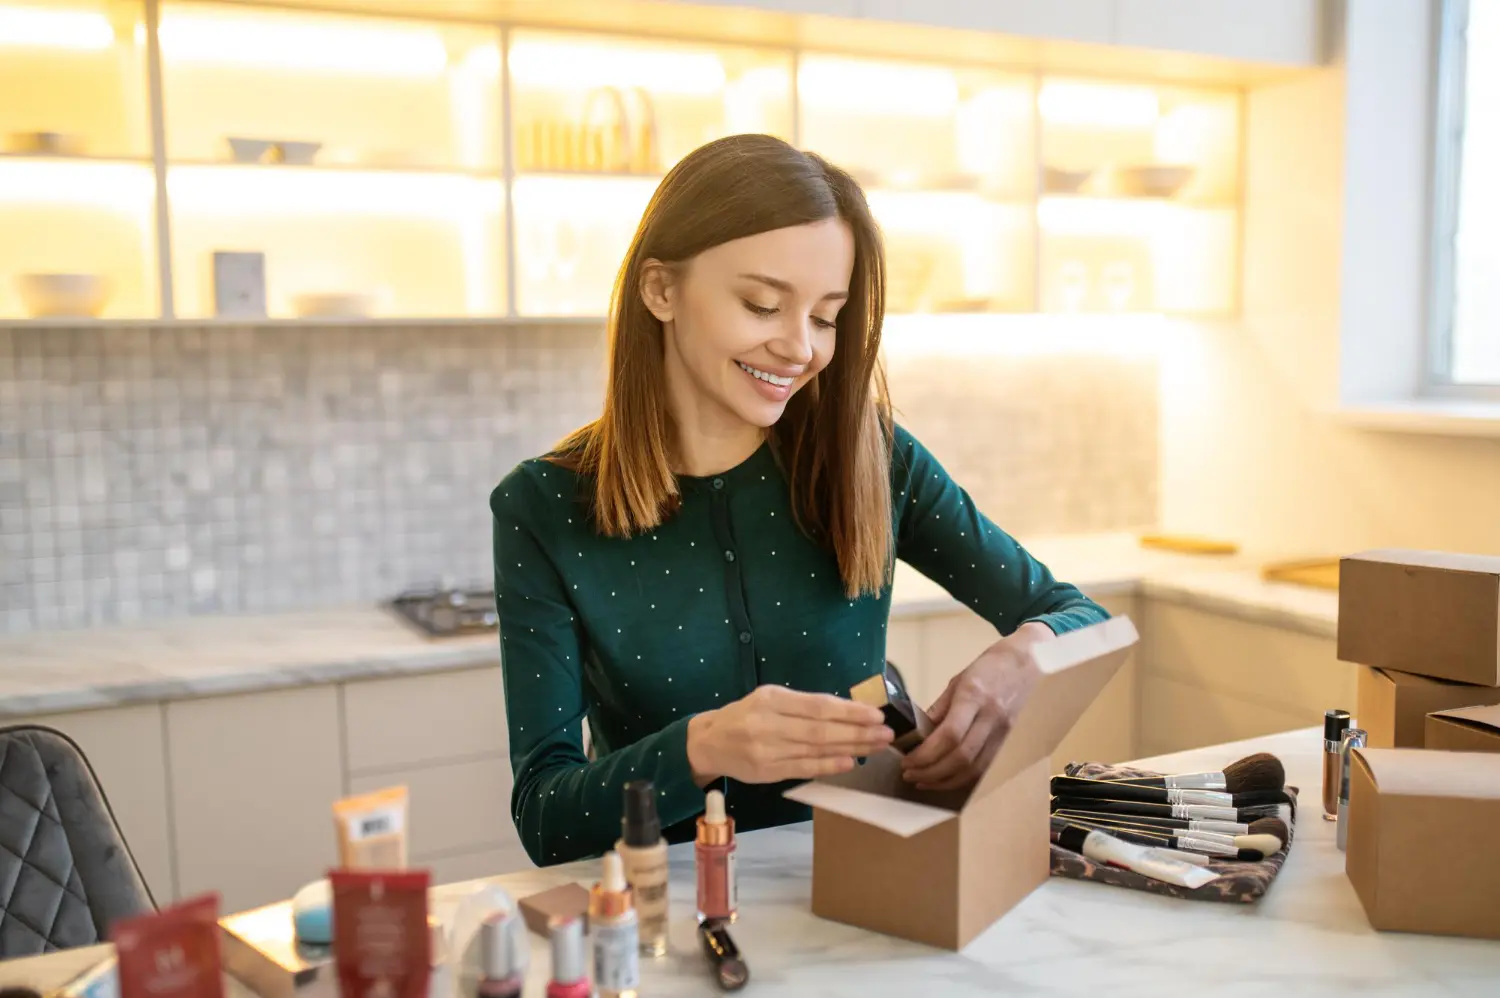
(66, 873)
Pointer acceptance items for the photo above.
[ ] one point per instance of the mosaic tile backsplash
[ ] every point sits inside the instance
(150, 472)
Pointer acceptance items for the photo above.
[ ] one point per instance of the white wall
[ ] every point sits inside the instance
(1250, 446)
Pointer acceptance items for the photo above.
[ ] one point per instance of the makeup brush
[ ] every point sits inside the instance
(1195, 858)
(1077, 786)
(1261, 771)
(1252, 848)
(1260, 826)
(1263, 841)
(1193, 812)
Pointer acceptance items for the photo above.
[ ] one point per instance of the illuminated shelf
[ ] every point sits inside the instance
(915, 125)
(371, 91)
(427, 244)
(618, 105)
(80, 217)
(955, 251)
(318, 168)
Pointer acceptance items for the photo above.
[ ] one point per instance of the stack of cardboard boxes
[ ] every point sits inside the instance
(1424, 797)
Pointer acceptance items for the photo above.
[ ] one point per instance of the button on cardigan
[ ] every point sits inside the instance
(637, 635)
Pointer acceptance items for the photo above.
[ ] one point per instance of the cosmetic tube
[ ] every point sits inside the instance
(381, 934)
(1335, 723)
(1353, 738)
(730, 971)
(612, 922)
(569, 978)
(371, 830)
(718, 894)
(1104, 848)
(644, 853)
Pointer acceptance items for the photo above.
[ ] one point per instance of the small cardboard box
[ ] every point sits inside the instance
(1424, 612)
(1467, 729)
(1393, 706)
(941, 868)
(1424, 830)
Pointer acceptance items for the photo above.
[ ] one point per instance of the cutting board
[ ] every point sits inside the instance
(1318, 573)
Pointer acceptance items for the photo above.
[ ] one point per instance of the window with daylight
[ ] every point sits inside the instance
(1465, 321)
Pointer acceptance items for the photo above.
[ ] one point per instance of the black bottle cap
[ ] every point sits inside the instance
(641, 826)
(1334, 724)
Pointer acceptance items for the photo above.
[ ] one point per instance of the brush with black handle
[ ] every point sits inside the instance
(1180, 826)
(1261, 771)
(1243, 847)
(1192, 812)
(1077, 786)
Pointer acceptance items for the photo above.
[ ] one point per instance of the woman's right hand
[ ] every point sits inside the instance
(776, 733)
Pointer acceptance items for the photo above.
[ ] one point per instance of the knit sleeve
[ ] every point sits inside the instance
(565, 807)
(942, 534)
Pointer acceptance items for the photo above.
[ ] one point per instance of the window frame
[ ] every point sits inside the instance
(1451, 64)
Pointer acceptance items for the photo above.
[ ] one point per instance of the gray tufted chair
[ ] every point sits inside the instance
(65, 871)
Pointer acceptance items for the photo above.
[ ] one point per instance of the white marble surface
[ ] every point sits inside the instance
(51, 672)
(1307, 936)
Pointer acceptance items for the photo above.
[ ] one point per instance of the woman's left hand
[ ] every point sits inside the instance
(974, 714)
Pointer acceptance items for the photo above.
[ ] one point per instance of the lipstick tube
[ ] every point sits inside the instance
(718, 894)
(1335, 723)
(569, 979)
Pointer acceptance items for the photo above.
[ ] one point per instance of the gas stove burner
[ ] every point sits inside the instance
(447, 612)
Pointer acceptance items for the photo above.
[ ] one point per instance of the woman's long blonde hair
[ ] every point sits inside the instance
(833, 441)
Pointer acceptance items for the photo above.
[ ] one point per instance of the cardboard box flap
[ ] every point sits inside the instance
(1442, 560)
(875, 794)
(1071, 669)
(1483, 718)
(1405, 772)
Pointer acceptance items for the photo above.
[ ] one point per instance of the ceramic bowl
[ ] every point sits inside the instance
(1154, 181)
(333, 305)
(1056, 180)
(248, 150)
(297, 153)
(63, 295)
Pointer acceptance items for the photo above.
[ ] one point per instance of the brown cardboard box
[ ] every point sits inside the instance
(1393, 706)
(1424, 830)
(1424, 612)
(1467, 729)
(940, 869)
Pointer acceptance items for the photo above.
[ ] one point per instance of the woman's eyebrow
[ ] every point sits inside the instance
(786, 287)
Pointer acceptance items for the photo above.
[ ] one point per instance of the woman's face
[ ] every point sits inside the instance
(749, 322)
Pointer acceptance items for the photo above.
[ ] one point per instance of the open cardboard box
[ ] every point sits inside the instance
(1466, 729)
(941, 868)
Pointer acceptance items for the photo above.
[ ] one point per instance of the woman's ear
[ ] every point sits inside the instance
(658, 289)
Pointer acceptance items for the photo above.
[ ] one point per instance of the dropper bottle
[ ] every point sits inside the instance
(612, 922)
(718, 894)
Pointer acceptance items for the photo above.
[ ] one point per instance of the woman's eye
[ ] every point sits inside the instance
(755, 309)
(825, 323)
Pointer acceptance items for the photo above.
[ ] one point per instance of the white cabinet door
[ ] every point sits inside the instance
(253, 779)
(428, 717)
(1288, 32)
(1072, 20)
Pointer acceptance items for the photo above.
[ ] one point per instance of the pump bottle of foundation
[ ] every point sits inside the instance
(612, 922)
(718, 894)
(644, 853)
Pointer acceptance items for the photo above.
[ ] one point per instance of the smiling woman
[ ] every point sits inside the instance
(704, 571)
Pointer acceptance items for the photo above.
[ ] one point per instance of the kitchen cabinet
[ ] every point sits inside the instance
(126, 746)
(1063, 20)
(1209, 677)
(1287, 32)
(430, 717)
(252, 778)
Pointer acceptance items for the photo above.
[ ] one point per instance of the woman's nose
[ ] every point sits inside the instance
(795, 344)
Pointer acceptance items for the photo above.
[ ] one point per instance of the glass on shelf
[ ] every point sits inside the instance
(73, 79)
(253, 85)
(914, 125)
(381, 243)
(1137, 140)
(613, 105)
(949, 251)
(1137, 255)
(571, 237)
(79, 235)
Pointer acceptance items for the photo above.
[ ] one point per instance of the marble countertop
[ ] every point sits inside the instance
(1307, 937)
(49, 672)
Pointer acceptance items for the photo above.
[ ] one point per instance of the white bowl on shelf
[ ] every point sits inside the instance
(248, 150)
(57, 296)
(1056, 180)
(297, 153)
(333, 305)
